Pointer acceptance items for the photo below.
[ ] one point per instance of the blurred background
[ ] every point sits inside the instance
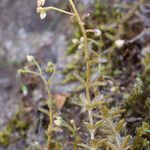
(22, 32)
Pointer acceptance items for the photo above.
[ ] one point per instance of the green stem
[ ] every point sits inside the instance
(75, 137)
(75, 143)
(57, 9)
(87, 58)
(40, 72)
(50, 117)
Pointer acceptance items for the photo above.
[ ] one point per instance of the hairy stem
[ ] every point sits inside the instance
(87, 58)
(50, 126)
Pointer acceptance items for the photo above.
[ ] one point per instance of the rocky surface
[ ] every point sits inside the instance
(22, 33)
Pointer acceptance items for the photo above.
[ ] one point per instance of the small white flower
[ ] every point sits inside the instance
(97, 32)
(72, 121)
(75, 41)
(81, 39)
(36, 143)
(40, 3)
(102, 60)
(80, 46)
(119, 43)
(42, 14)
(30, 58)
(58, 121)
(114, 89)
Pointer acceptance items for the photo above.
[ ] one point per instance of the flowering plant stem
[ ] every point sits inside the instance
(87, 58)
(50, 126)
(47, 87)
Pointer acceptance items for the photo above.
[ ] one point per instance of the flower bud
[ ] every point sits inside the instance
(58, 121)
(49, 64)
(30, 58)
(97, 32)
(80, 46)
(119, 43)
(38, 10)
(75, 41)
(26, 69)
(20, 71)
(49, 69)
(42, 14)
(72, 121)
(81, 39)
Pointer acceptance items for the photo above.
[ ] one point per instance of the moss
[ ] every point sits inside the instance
(16, 124)
(105, 13)
(142, 139)
(5, 137)
(137, 102)
(146, 65)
